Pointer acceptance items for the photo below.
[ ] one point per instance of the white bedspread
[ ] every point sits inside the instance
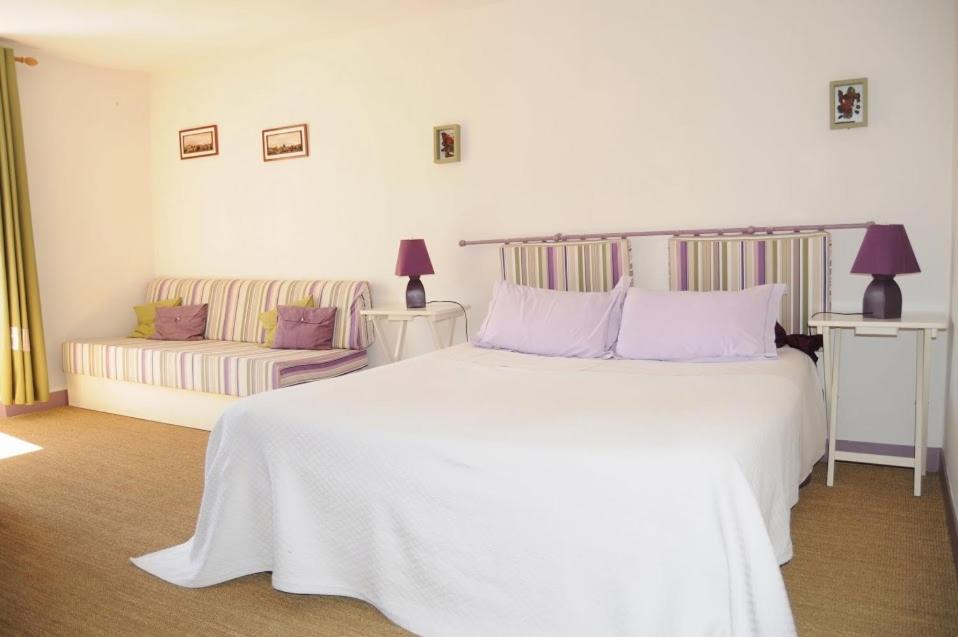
(479, 492)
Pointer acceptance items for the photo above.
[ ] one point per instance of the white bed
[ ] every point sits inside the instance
(481, 492)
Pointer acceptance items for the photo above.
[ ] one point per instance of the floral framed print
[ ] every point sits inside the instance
(199, 142)
(446, 143)
(849, 103)
(287, 142)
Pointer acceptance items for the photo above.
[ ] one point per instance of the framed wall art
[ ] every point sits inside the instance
(446, 144)
(849, 103)
(286, 142)
(199, 142)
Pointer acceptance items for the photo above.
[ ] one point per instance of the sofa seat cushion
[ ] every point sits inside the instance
(217, 367)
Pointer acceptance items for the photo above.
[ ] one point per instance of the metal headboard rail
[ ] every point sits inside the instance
(695, 232)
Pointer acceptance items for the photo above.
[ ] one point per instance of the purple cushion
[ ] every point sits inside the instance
(304, 327)
(669, 326)
(551, 322)
(183, 323)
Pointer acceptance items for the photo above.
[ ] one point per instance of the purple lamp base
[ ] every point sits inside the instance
(882, 298)
(415, 294)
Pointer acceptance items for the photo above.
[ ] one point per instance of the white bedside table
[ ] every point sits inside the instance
(926, 326)
(434, 313)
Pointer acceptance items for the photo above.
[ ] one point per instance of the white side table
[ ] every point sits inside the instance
(434, 313)
(926, 327)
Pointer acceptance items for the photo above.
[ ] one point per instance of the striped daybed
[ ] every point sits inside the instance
(190, 382)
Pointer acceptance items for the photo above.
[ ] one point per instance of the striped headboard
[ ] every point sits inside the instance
(576, 266)
(801, 261)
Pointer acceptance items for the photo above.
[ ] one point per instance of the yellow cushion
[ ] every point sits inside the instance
(146, 315)
(269, 319)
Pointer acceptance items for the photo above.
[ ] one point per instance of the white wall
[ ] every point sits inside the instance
(577, 116)
(951, 415)
(87, 139)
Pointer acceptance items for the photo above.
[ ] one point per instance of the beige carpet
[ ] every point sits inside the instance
(870, 558)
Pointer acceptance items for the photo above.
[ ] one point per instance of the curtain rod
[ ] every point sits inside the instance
(747, 230)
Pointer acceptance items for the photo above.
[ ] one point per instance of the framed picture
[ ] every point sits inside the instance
(285, 143)
(849, 103)
(446, 144)
(199, 142)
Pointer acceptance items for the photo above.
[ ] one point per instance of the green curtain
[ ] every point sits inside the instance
(23, 361)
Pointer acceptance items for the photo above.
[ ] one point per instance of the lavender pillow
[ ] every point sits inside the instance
(304, 327)
(689, 326)
(183, 323)
(553, 323)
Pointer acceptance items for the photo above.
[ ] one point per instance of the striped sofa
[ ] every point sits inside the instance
(189, 382)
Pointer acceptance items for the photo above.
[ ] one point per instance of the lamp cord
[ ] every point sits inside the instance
(465, 315)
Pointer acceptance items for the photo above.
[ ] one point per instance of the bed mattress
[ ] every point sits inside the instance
(481, 492)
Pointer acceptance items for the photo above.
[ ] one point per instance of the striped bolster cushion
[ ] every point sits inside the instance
(235, 305)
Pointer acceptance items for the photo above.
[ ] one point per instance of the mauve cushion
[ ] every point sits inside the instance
(694, 326)
(304, 327)
(183, 323)
(553, 323)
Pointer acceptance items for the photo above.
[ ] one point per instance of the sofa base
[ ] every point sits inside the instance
(186, 408)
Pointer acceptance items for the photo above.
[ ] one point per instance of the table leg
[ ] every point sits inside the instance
(826, 364)
(919, 405)
(452, 329)
(926, 383)
(833, 342)
(381, 337)
(436, 336)
(922, 371)
(827, 354)
(400, 340)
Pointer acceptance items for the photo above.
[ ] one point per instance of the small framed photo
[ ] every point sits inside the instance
(287, 142)
(849, 103)
(446, 144)
(199, 142)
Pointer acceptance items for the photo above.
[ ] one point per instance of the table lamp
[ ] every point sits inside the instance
(413, 261)
(885, 252)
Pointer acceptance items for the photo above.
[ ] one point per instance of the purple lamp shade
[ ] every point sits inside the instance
(413, 258)
(886, 250)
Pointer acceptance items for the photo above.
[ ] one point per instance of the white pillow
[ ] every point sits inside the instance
(551, 322)
(673, 326)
